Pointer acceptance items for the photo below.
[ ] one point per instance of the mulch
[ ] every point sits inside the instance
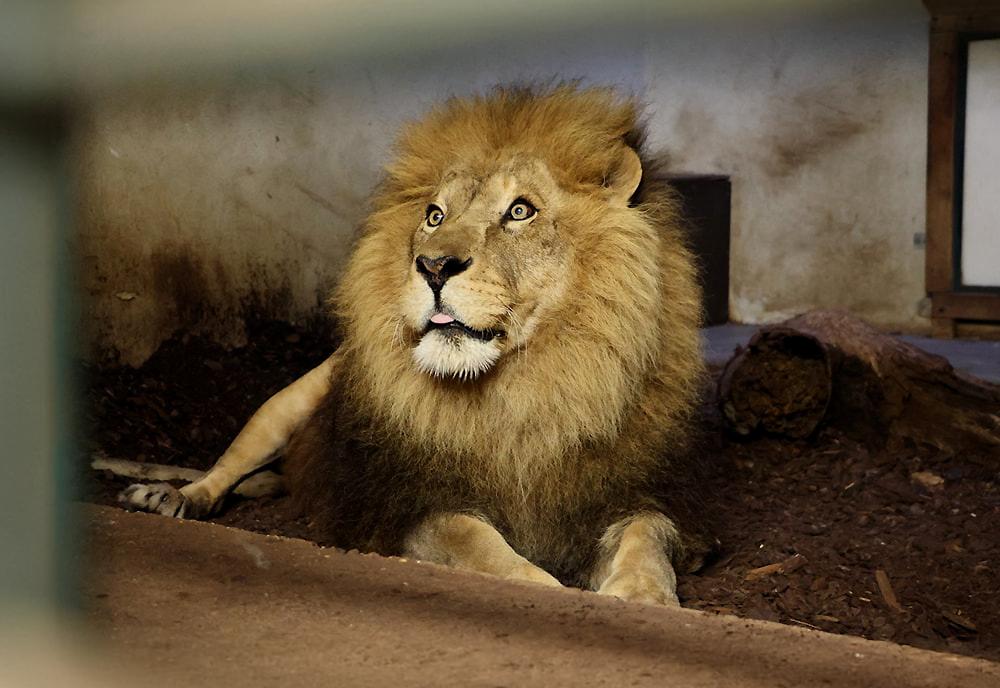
(824, 533)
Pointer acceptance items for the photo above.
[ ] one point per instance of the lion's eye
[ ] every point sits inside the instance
(520, 210)
(434, 216)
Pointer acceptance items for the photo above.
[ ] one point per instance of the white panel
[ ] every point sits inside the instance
(981, 179)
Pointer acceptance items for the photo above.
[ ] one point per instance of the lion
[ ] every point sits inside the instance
(519, 364)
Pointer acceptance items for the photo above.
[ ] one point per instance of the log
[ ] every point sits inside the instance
(830, 368)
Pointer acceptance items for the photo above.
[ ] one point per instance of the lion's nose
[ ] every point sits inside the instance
(439, 270)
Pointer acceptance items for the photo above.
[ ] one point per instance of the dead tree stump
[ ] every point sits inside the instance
(830, 367)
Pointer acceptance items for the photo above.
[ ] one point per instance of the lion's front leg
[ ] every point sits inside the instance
(467, 542)
(265, 434)
(634, 560)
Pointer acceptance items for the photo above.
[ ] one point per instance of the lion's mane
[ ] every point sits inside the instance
(559, 438)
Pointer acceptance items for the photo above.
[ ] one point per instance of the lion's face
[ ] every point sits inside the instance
(488, 264)
(513, 243)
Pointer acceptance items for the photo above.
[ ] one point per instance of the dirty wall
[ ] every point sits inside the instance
(200, 208)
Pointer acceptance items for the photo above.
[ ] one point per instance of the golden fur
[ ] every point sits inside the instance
(513, 391)
(631, 327)
(586, 408)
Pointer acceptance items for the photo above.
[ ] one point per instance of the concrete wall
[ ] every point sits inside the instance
(822, 126)
(199, 207)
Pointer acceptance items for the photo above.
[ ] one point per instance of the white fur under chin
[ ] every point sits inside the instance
(444, 355)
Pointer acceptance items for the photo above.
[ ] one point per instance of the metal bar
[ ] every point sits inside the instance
(106, 43)
(33, 361)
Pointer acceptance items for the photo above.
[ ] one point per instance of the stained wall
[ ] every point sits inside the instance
(199, 208)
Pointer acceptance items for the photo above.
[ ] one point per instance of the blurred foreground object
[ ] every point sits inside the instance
(38, 642)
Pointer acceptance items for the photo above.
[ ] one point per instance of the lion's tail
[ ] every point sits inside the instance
(262, 484)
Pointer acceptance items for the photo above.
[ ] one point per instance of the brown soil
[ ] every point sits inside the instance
(863, 542)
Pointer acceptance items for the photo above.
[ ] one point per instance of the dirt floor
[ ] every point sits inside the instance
(824, 534)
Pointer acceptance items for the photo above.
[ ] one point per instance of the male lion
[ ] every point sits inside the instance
(520, 358)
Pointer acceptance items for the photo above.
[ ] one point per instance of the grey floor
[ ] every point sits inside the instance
(976, 357)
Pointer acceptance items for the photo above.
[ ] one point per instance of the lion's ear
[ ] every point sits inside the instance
(623, 182)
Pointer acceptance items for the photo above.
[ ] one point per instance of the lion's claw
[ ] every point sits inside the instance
(156, 498)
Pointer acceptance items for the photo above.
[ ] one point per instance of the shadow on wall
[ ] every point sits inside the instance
(200, 209)
(203, 207)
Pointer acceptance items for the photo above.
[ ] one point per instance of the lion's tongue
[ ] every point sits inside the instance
(441, 319)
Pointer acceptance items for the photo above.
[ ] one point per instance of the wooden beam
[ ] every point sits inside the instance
(966, 305)
(964, 16)
(943, 328)
(967, 24)
(950, 19)
(962, 7)
(941, 112)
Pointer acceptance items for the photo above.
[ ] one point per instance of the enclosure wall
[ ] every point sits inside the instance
(202, 207)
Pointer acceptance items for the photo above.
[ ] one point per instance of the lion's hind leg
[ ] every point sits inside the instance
(634, 561)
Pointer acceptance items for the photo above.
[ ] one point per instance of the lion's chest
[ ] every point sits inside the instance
(553, 514)
(368, 488)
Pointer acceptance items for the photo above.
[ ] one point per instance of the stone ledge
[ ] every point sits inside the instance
(201, 604)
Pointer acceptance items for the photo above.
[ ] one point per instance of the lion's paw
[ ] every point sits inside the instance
(156, 498)
(534, 574)
(636, 586)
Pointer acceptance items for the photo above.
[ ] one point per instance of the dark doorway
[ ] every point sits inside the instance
(706, 201)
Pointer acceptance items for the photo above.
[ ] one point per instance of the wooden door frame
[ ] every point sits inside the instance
(953, 24)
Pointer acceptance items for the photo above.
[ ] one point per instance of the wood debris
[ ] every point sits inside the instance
(956, 619)
(931, 481)
(888, 594)
(787, 566)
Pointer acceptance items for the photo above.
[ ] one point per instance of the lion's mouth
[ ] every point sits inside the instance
(448, 324)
